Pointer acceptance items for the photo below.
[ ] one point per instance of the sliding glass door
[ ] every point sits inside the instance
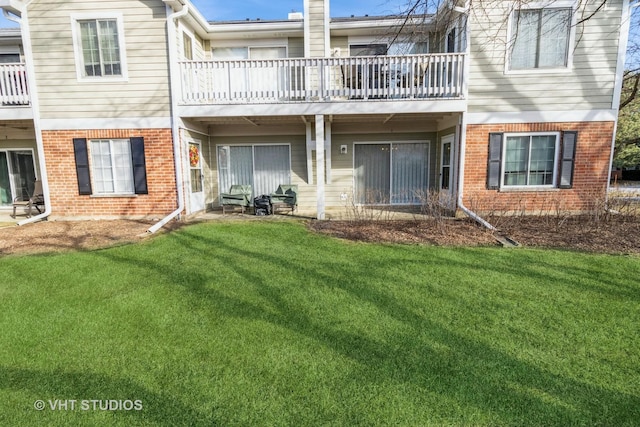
(391, 173)
(264, 167)
(17, 175)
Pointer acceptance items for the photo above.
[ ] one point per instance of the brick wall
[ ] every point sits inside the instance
(63, 183)
(590, 178)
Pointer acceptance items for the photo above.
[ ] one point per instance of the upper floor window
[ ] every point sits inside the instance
(187, 47)
(540, 38)
(99, 47)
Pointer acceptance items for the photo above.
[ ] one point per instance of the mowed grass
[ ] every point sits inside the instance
(242, 324)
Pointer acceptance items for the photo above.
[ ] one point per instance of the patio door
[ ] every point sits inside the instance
(17, 175)
(264, 167)
(196, 177)
(446, 171)
(391, 173)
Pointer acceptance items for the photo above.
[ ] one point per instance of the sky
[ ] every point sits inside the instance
(230, 10)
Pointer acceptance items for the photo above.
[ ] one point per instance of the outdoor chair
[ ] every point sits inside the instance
(286, 196)
(36, 201)
(238, 196)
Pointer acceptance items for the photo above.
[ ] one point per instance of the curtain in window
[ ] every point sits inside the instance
(110, 47)
(541, 38)
(90, 49)
(542, 160)
(264, 167)
(516, 159)
(410, 172)
(272, 168)
(554, 37)
(372, 171)
(111, 166)
(525, 30)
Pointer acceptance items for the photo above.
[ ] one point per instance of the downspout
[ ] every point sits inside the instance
(25, 32)
(615, 105)
(175, 128)
(463, 131)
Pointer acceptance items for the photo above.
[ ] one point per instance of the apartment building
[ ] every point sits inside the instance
(146, 109)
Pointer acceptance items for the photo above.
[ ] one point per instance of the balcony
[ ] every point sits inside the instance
(314, 80)
(13, 85)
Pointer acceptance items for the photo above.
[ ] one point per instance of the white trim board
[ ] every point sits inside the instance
(542, 116)
(107, 123)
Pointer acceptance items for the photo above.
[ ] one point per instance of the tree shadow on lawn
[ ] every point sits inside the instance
(49, 386)
(478, 376)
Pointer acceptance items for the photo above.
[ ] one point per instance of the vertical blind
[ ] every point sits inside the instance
(391, 173)
(264, 167)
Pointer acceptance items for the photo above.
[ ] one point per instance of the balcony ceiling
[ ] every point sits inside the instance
(380, 119)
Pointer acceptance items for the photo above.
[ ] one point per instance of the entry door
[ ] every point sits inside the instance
(446, 171)
(196, 177)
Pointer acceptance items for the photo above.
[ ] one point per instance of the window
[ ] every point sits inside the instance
(540, 38)
(111, 166)
(530, 160)
(99, 47)
(9, 58)
(187, 45)
(117, 166)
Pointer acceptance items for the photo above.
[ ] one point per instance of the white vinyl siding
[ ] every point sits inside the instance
(587, 82)
(145, 90)
(111, 166)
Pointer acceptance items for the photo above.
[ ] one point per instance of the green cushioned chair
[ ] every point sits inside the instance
(238, 195)
(285, 196)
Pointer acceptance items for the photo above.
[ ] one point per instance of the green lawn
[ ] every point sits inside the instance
(263, 323)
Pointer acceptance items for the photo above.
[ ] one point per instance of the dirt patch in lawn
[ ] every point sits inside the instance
(59, 236)
(614, 234)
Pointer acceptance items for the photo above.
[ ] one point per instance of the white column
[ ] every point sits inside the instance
(327, 149)
(310, 148)
(320, 165)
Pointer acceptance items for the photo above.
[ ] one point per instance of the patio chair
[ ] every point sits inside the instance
(285, 196)
(238, 196)
(36, 200)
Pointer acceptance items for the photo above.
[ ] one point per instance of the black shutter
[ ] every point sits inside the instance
(495, 161)
(82, 165)
(139, 165)
(569, 140)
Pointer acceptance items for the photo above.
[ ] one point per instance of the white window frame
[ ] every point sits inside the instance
(556, 161)
(94, 187)
(560, 4)
(77, 46)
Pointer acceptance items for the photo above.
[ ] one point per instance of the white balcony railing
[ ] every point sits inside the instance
(323, 79)
(13, 85)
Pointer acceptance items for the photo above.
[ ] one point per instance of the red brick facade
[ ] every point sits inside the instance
(63, 182)
(590, 178)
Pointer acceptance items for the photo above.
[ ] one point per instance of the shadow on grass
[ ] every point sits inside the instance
(425, 354)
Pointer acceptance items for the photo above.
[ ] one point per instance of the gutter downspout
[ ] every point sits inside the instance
(622, 52)
(463, 131)
(175, 128)
(23, 22)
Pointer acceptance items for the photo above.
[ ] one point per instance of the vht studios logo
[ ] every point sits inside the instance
(88, 405)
